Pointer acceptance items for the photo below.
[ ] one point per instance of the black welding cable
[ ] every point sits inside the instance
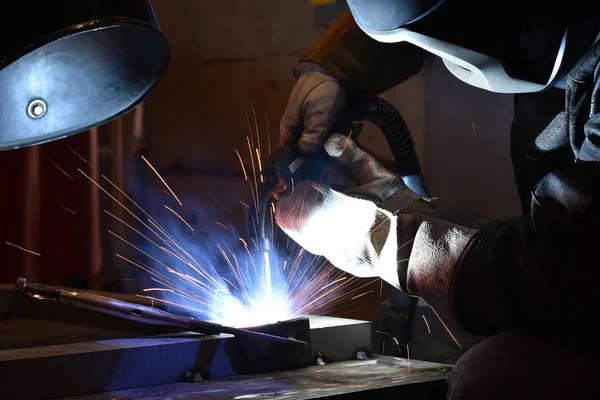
(391, 124)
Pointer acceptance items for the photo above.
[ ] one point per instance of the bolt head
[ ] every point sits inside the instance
(37, 108)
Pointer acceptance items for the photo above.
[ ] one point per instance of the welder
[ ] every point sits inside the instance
(527, 284)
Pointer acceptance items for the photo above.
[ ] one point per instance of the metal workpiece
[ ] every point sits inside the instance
(149, 315)
(85, 351)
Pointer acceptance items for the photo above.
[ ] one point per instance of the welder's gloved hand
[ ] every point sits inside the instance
(378, 227)
(314, 106)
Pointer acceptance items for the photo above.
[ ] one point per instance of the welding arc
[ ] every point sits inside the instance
(145, 314)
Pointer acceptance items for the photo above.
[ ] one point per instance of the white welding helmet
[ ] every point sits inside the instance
(502, 46)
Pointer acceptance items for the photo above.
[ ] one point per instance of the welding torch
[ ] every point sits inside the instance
(286, 166)
(147, 315)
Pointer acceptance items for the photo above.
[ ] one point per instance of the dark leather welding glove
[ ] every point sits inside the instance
(377, 227)
(316, 103)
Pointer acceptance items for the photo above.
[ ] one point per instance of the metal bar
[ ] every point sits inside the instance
(147, 315)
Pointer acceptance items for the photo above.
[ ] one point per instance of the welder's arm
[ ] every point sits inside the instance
(538, 271)
(344, 63)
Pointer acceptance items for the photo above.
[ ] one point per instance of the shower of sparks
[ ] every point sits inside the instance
(218, 274)
(447, 329)
(24, 249)
(162, 180)
(426, 324)
(179, 216)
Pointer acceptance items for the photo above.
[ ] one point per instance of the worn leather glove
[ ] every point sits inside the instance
(314, 106)
(377, 227)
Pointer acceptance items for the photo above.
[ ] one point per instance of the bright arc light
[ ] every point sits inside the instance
(261, 309)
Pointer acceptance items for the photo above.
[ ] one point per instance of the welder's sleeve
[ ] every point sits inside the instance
(540, 271)
(361, 63)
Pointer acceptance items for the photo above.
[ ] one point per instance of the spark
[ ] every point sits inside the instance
(244, 242)
(157, 290)
(474, 131)
(447, 329)
(61, 170)
(162, 180)
(383, 222)
(347, 141)
(71, 211)
(168, 302)
(242, 164)
(221, 224)
(427, 324)
(253, 168)
(262, 179)
(334, 282)
(257, 135)
(135, 247)
(408, 357)
(231, 283)
(132, 228)
(386, 187)
(128, 279)
(407, 242)
(361, 295)
(179, 216)
(268, 133)
(24, 249)
(80, 157)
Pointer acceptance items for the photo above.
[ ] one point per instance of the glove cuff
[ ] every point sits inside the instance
(428, 262)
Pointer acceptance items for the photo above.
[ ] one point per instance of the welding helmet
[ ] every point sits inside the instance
(69, 65)
(503, 46)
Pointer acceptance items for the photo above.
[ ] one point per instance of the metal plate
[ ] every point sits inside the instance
(382, 377)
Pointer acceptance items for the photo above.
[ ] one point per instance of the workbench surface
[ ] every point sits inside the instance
(380, 376)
